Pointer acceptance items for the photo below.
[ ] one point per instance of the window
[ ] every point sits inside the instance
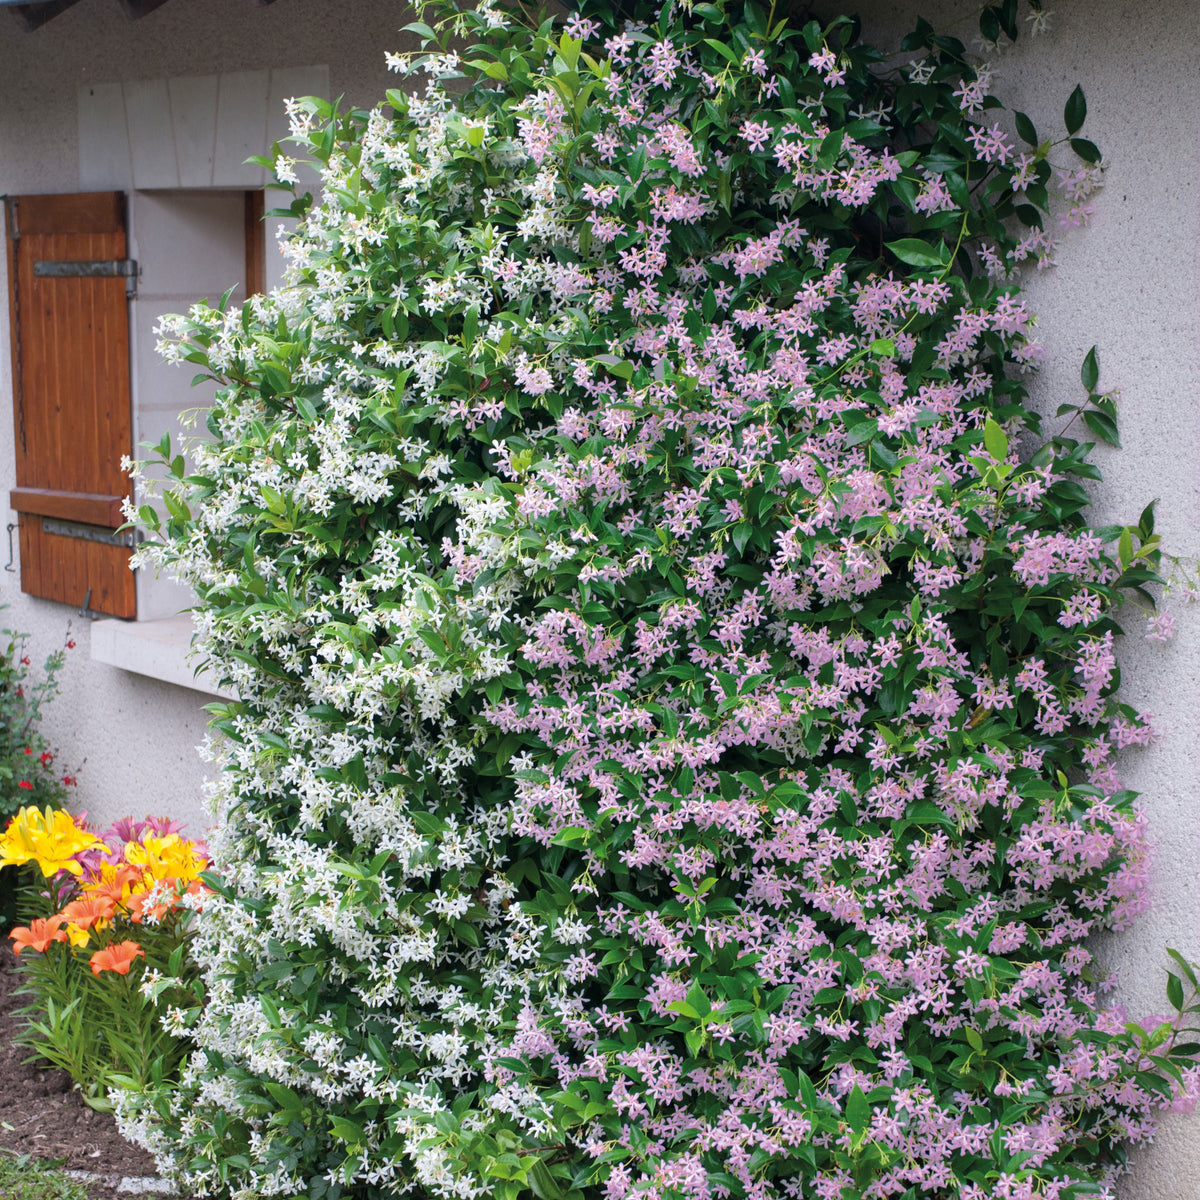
(168, 187)
(91, 276)
(69, 312)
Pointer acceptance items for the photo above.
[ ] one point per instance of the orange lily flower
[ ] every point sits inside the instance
(92, 910)
(136, 904)
(116, 882)
(117, 957)
(39, 934)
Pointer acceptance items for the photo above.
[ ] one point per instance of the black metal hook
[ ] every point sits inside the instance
(86, 609)
(8, 566)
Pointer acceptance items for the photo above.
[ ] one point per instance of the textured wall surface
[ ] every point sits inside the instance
(1129, 284)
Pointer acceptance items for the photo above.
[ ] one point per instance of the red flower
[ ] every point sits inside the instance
(70, 643)
(25, 660)
(70, 780)
(25, 784)
(46, 758)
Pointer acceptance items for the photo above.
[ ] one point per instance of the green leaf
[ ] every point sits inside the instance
(858, 1110)
(1103, 426)
(730, 55)
(618, 366)
(421, 29)
(347, 1130)
(1086, 150)
(1025, 129)
(1188, 969)
(1175, 991)
(568, 49)
(491, 67)
(466, 932)
(1125, 548)
(698, 1000)
(995, 440)
(470, 327)
(1075, 112)
(1089, 373)
(1146, 528)
(918, 253)
(544, 1185)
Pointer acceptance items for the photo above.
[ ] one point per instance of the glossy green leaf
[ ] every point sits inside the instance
(1175, 991)
(1075, 112)
(1089, 373)
(918, 253)
(858, 1110)
(995, 440)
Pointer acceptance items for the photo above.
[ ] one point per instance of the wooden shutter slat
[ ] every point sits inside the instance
(31, 554)
(72, 402)
(256, 265)
(76, 212)
(89, 507)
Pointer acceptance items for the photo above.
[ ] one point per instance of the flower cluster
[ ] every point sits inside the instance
(674, 752)
(112, 900)
(49, 837)
(102, 884)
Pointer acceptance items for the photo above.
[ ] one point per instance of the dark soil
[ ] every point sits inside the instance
(42, 1115)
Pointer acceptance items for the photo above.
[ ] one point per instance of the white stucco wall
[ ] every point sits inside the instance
(137, 734)
(1129, 284)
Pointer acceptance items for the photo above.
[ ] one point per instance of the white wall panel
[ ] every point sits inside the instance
(194, 125)
(104, 159)
(151, 137)
(241, 128)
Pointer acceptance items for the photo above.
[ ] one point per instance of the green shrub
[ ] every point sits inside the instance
(675, 745)
(29, 771)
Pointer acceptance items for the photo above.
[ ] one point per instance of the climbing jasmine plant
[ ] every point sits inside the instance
(675, 746)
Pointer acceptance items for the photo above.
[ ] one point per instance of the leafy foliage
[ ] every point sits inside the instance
(28, 774)
(24, 1179)
(675, 745)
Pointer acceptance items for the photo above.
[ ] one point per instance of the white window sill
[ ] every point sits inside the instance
(157, 649)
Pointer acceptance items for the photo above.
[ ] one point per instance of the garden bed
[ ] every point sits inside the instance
(42, 1115)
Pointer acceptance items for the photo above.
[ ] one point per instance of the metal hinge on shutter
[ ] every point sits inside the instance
(94, 268)
(93, 533)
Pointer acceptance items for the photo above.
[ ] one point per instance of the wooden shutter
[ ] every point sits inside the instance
(71, 403)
